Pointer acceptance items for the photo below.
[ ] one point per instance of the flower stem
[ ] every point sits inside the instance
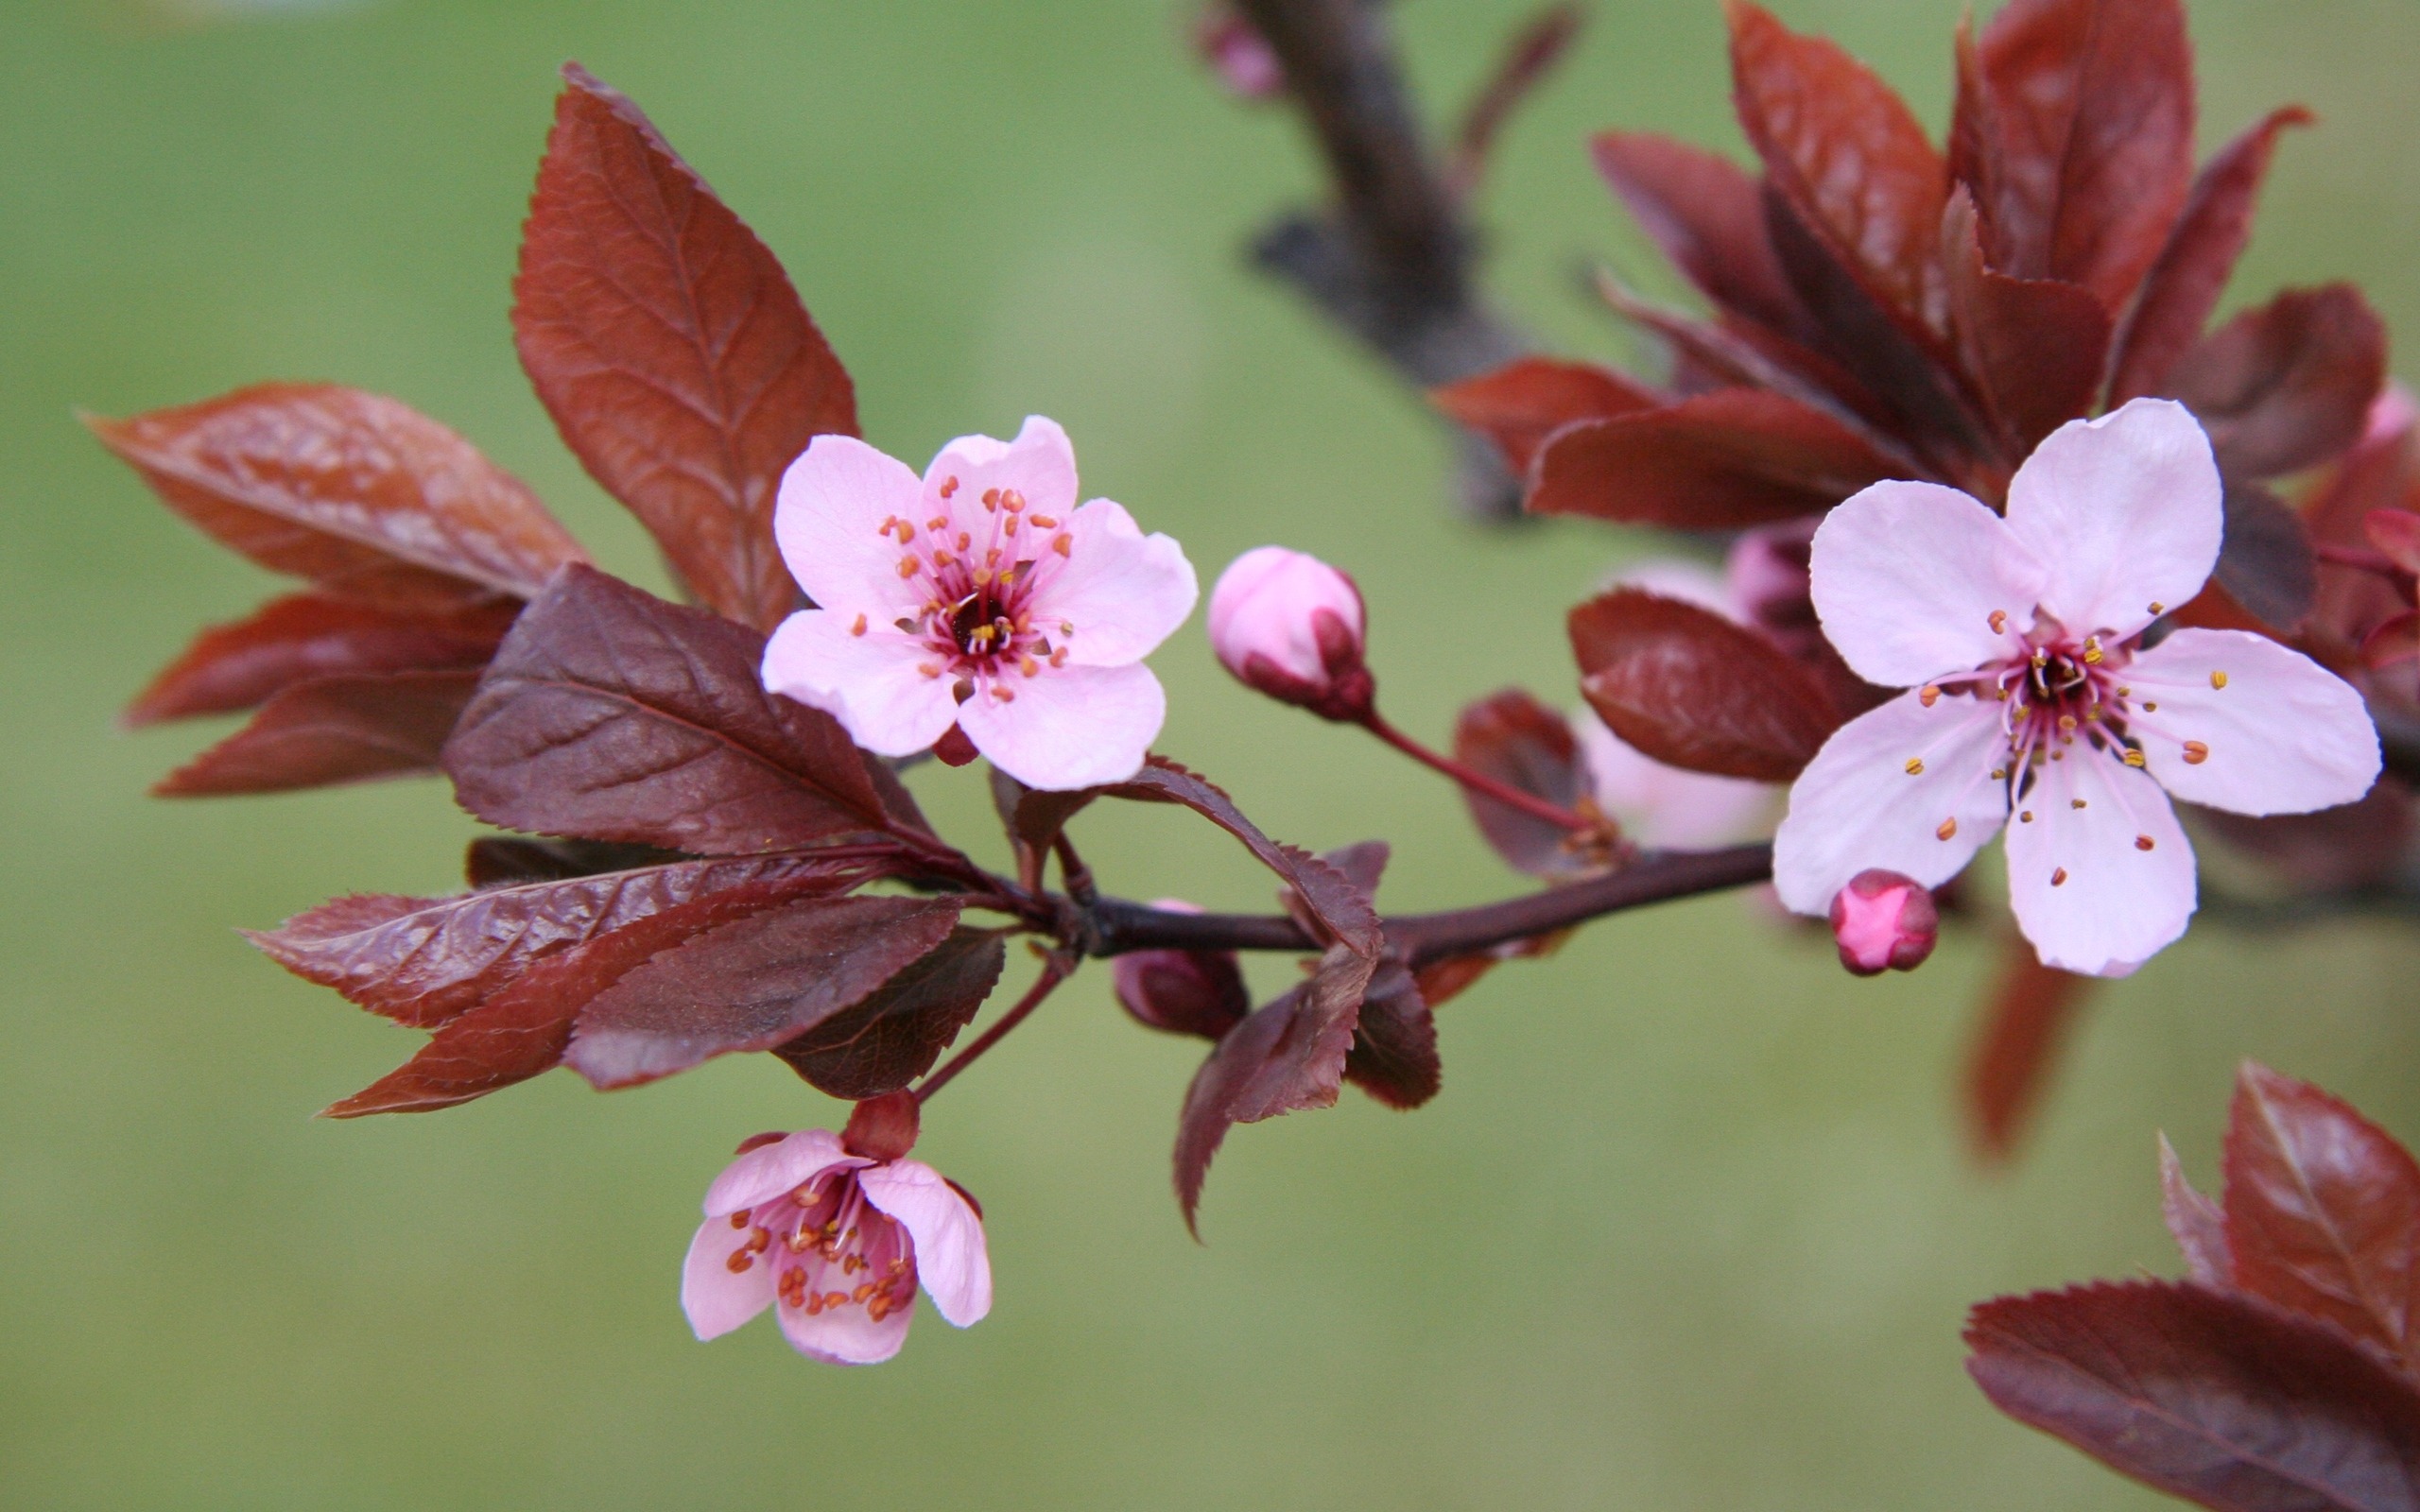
(2357, 559)
(1478, 782)
(1055, 969)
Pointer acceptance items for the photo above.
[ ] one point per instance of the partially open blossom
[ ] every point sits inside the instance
(980, 597)
(1884, 923)
(1190, 992)
(2031, 693)
(836, 1241)
(1293, 627)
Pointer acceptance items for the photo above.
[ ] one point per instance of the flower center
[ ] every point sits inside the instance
(980, 585)
(829, 1248)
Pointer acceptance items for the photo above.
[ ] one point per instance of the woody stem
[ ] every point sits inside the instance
(1478, 782)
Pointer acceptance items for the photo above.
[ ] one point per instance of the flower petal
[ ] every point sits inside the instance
(2126, 511)
(874, 683)
(1907, 578)
(2088, 891)
(1665, 807)
(769, 1170)
(951, 1259)
(717, 1299)
(828, 520)
(1124, 592)
(1068, 727)
(2278, 733)
(1040, 464)
(1858, 806)
(844, 1336)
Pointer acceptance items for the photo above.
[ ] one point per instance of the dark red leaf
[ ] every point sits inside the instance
(894, 1035)
(2033, 347)
(302, 636)
(2322, 1210)
(2076, 132)
(2396, 535)
(1394, 1056)
(1515, 739)
(2182, 290)
(2025, 1025)
(611, 714)
(2219, 1399)
(2286, 386)
(422, 961)
(751, 985)
(2266, 563)
(2340, 849)
(1520, 404)
(1727, 461)
(1441, 981)
(509, 859)
(1709, 216)
(523, 1030)
(362, 494)
(2197, 1223)
(330, 731)
(1288, 1056)
(1692, 690)
(1845, 149)
(670, 349)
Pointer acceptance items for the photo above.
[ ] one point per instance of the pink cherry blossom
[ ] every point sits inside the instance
(1884, 923)
(980, 596)
(2033, 692)
(836, 1245)
(1293, 627)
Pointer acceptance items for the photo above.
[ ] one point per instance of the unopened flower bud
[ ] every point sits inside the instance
(883, 1128)
(1884, 923)
(1236, 53)
(1291, 626)
(1195, 992)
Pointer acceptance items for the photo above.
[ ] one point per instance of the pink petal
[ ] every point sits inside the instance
(873, 683)
(845, 1335)
(1665, 807)
(2126, 511)
(2284, 735)
(1265, 603)
(1905, 577)
(828, 519)
(1040, 464)
(2085, 889)
(951, 1259)
(769, 1170)
(1068, 727)
(1124, 592)
(717, 1299)
(1857, 807)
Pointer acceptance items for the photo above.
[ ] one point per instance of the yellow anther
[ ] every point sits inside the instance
(1064, 545)
(2142, 842)
(1949, 828)
(2059, 878)
(2068, 723)
(1044, 522)
(2075, 802)
(2026, 816)
(982, 577)
(2158, 607)
(860, 627)
(2150, 707)
(943, 559)
(2218, 679)
(1929, 694)
(1028, 665)
(1012, 500)
(1915, 766)
(906, 566)
(2196, 753)
(1999, 621)
(949, 485)
(2134, 757)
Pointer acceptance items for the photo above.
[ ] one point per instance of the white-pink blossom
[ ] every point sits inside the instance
(2033, 693)
(982, 596)
(836, 1245)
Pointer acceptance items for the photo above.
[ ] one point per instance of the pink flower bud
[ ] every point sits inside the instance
(1196, 992)
(1238, 54)
(1291, 626)
(1884, 923)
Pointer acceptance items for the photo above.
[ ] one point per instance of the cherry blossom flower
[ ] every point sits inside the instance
(836, 1244)
(980, 597)
(2033, 693)
(1884, 923)
(1293, 627)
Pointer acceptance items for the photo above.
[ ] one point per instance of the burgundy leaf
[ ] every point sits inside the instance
(1709, 216)
(2025, 1026)
(302, 636)
(509, 859)
(2350, 847)
(422, 961)
(1441, 981)
(1518, 740)
(611, 714)
(329, 731)
(1727, 461)
(1288, 1056)
(1034, 817)
(2035, 348)
(2219, 1399)
(670, 349)
(2182, 288)
(1520, 404)
(1394, 1056)
(2396, 535)
(363, 495)
(2266, 563)
(894, 1035)
(2322, 1210)
(751, 985)
(2286, 386)
(2197, 1223)
(522, 1031)
(1692, 690)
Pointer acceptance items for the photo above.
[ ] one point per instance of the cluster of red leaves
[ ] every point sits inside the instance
(2284, 1372)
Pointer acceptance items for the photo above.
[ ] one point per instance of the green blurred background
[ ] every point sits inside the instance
(1690, 1227)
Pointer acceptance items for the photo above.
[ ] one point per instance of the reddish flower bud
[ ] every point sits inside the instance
(882, 1128)
(1291, 626)
(1236, 54)
(1884, 923)
(1196, 992)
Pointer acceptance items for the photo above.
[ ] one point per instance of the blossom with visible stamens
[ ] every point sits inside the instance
(836, 1241)
(981, 597)
(2033, 695)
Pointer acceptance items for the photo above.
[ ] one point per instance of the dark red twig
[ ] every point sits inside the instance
(1055, 969)
(1478, 782)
